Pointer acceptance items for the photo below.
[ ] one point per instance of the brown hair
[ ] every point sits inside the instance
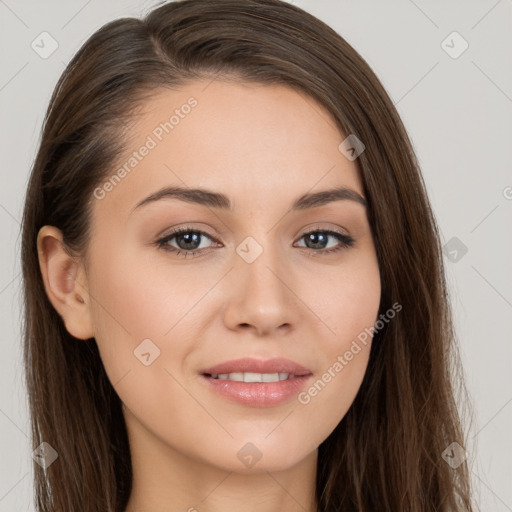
(386, 453)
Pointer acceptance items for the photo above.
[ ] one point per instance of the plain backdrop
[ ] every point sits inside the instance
(456, 106)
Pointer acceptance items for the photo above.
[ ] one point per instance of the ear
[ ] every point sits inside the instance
(65, 282)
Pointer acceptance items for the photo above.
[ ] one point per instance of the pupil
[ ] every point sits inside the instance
(190, 238)
(314, 236)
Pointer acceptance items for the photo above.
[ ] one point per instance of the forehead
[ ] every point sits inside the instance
(246, 140)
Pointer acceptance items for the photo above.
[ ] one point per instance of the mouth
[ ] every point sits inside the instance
(251, 368)
(257, 383)
(252, 377)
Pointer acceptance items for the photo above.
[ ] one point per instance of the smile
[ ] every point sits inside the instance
(253, 377)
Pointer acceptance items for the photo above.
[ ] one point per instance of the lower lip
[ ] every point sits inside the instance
(258, 394)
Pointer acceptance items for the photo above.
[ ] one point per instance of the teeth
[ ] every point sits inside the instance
(253, 377)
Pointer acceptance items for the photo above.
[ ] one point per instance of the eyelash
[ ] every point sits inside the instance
(346, 242)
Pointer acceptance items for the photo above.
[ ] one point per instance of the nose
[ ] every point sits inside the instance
(262, 296)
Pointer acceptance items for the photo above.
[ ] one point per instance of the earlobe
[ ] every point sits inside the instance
(64, 282)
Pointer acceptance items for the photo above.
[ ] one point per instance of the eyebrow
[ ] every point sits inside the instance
(213, 199)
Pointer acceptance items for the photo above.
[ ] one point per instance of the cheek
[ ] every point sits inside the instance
(140, 292)
(346, 299)
(139, 296)
(131, 301)
(348, 305)
(136, 311)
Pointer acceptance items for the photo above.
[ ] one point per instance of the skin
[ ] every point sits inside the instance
(263, 146)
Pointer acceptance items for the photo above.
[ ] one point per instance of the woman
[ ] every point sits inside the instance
(234, 288)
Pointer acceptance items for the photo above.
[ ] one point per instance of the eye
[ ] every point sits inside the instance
(189, 241)
(320, 237)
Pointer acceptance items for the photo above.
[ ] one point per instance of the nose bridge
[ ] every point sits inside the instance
(262, 292)
(261, 264)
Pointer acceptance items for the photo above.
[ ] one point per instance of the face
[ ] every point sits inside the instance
(259, 279)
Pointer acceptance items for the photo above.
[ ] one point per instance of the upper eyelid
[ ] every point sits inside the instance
(177, 231)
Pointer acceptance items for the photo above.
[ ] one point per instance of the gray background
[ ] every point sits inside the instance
(458, 114)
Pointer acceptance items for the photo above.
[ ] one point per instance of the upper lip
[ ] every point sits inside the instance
(278, 365)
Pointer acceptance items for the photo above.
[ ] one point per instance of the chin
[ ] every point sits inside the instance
(251, 458)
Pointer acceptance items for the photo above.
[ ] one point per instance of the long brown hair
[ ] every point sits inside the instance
(386, 453)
